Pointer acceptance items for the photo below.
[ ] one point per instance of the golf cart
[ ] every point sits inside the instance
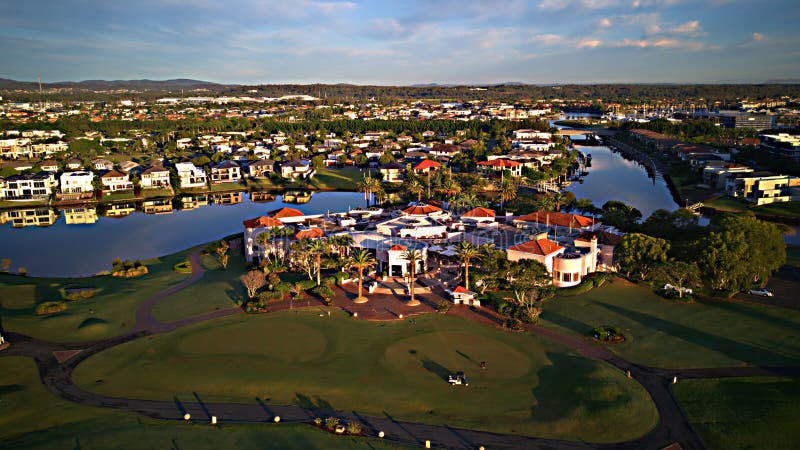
(458, 378)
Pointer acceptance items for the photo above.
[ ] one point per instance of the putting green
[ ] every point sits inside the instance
(284, 342)
(530, 385)
(457, 351)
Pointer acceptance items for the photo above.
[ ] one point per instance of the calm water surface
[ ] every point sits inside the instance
(63, 250)
(612, 177)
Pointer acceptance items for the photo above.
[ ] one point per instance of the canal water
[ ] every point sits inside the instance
(612, 177)
(75, 250)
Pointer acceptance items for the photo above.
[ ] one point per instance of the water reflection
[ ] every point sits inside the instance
(90, 236)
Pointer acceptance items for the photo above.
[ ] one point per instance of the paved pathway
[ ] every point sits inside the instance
(672, 426)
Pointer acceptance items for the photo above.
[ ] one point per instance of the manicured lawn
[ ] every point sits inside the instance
(109, 313)
(788, 209)
(339, 179)
(793, 255)
(31, 417)
(228, 187)
(530, 386)
(664, 333)
(218, 289)
(155, 193)
(116, 196)
(261, 183)
(743, 413)
(726, 204)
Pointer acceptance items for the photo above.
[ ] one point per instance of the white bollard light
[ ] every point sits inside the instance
(400, 316)
(355, 314)
(674, 380)
(277, 419)
(187, 416)
(381, 434)
(213, 420)
(427, 444)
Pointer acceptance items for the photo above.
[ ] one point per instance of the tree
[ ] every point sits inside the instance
(508, 188)
(253, 281)
(361, 259)
(369, 185)
(222, 254)
(637, 253)
(386, 157)
(412, 256)
(414, 188)
(318, 247)
(620, 215)
(466, 251)
(583, 205)
(531, 283)
(680, 274)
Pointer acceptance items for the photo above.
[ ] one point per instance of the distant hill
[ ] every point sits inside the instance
(99, 85)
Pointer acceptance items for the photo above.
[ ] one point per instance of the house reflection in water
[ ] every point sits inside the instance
(261, 197)
(40, 217)
(117, 210)
(297, 197)
(193, 201)
(158, 206)
(77, 215)
(227, 198)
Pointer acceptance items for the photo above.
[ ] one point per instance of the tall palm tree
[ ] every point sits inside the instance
(412, 256)
(263, 240)
(466, 251)
(318, 247)
(508, 189)
(414, 187)
(369, 185)
(361, 259)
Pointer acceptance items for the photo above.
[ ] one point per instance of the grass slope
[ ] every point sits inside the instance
(109, 313)
(31, 417)
(663, 333)
(743, 413)
(531, 386)
(338, 179)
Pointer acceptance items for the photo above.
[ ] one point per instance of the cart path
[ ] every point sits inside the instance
(672, 425)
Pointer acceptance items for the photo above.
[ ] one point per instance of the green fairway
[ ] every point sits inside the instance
(109, 313)
(787, 209)
(664, 333)
(743, 413)
(530, 386)
(31, 417)
(218, 289)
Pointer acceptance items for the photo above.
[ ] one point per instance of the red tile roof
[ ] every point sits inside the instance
(398, 247)
(479, 212)
(311, 233)
(542, 247)
(262, 222)
(500, 163)
(286, 212)
(421, 209)
(460, 289)
(427, 164)
(556, 219)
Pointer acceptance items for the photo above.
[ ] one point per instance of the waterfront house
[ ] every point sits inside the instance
(426, 166)
(500, 165)
(191, 176)
(40, 217)
(115, 181)
(290, 215)
(261, 168)
(568, 267)
(226, 172)
(253, 252)
(295, 169)
(392, 173)
(715, 174)
(80, 215)
(36, 186)
(155, 177)
(605, 243)
(764, 188)
(76, 182)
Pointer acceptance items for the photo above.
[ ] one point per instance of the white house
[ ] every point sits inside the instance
(76, 182)
(297, 169)
(226, 172)
(254, 227)
(191, 176)
(115, 181)
(155, 177)
(28, 187)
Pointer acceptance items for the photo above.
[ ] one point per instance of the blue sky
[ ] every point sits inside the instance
(402, 42)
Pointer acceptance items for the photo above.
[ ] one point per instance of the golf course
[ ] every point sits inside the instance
(308, 358)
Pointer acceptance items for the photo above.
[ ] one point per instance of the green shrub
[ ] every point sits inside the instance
(323, 291)
(513, 324)
(283, 287)
(585, 286)
(270, 296)
(50, 308)
(504, 308)
(353, 428)
(606, 333)
(306, 284)
(331, 423)
(339, 276)
(443, 306)
(318, 421)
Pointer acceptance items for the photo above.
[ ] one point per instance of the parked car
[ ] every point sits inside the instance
(761, 292)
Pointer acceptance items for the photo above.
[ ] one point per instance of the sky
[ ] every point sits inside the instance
(402, 42)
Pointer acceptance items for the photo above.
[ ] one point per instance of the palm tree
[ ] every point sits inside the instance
(317, 247)
(414, 187)
(508, 189)
(466, 251)
(360, 260)
(369, 185)
(262, 240)
(412, 256)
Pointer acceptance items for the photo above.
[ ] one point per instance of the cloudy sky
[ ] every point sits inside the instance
(402, 42)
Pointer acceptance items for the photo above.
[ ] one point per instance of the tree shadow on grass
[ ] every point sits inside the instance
(749, 311)
(436, 369)
(738, 350)
(570, 384)
(566, 322)
(315, 404)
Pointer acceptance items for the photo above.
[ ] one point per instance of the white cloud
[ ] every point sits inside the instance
(757, 37)
(693, 26)
(659, 43)
(605, 22)
(589, 43)
(388, 27)
(547, 39)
